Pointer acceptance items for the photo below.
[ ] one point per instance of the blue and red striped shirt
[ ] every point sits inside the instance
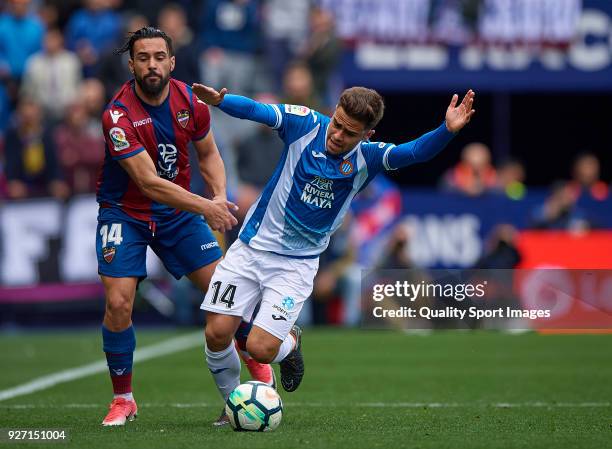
(131, 126)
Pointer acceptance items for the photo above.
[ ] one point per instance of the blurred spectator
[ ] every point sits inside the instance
(336, 290)
(5, 110)
(285, 24)
(474, 174)
(322, 51)
(151, 8)
(397, 254)
(231, 38)
(511, 179)
(3, 186)
(91, 31)
(173, 21)
(559, 211)
(80, 149)
(53, 76)
(113, 68)
(22, 35)
(585, 178)
(298, 86)
(91, 93)
(501, 251)
(31, 163)
(49, 15)
(454, 21)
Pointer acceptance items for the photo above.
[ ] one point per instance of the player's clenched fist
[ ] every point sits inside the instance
(218, 214)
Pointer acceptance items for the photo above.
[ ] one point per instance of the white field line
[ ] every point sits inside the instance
(140, 355)
(537, 404)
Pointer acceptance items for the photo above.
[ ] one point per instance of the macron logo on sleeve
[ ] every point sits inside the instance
(115, 116)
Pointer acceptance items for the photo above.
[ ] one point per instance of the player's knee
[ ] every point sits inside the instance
(261, 351)
(118, 307)
(217, 338)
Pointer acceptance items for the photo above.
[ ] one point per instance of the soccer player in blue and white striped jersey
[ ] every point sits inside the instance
(325, 163)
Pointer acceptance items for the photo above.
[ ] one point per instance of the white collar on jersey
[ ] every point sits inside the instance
(347, 155)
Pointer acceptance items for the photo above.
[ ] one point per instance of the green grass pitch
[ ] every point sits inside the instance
(362, 389)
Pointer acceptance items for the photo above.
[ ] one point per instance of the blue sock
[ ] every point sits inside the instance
(119, 348)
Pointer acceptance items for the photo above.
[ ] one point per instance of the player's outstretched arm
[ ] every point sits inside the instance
(141, 169)
(237, 105)
(430, 144)
(211, 166)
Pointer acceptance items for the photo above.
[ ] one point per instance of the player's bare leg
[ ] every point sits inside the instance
(221, 355)
(119, 343)
(266, 348)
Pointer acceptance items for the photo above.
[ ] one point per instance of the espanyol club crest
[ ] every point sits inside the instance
(346, 168)
(109, 253)
(182, 117)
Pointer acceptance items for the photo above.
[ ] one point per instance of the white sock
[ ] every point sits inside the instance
(225, 369)
(127, 396)
(285, 348)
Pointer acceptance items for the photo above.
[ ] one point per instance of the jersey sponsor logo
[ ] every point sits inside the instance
(182, 117)
(318, 154)
(166, 161)
(209, 245)
(346, 168)
(294, 109)
(109, 253)
(119, 139)
(144, 121)
(115, 116)
(318, 192)
(278, 318)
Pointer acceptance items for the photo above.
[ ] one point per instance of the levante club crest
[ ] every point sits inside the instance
(182, 117)
(109, 253)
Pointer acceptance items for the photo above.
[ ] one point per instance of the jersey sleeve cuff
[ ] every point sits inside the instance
(126, 155)
(386, 159)
(279, 117)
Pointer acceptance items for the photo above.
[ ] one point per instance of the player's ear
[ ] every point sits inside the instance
(131, 65)
(369, 134)
(172, 63)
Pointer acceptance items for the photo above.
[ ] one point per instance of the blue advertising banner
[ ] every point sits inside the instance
(508, 45)
(452, 231)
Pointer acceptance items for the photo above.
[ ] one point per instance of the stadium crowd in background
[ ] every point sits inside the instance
(58, 68)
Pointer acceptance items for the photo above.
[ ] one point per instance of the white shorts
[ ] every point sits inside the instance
(248, 276)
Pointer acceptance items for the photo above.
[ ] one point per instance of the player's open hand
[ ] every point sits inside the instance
(219, 216)
(459, 116)
(208, 95)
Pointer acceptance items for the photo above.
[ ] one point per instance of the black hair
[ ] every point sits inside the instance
(145, 33)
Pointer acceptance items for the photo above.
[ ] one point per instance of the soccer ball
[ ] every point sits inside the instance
(254, 406)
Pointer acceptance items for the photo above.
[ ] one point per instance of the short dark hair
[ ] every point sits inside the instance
(145, 33)
(363, 104)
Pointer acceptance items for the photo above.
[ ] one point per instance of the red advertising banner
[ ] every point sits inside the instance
(578, 298)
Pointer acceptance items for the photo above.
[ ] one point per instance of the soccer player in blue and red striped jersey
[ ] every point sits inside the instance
(144, 198)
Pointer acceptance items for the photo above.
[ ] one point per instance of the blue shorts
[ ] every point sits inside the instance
(184, 242)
